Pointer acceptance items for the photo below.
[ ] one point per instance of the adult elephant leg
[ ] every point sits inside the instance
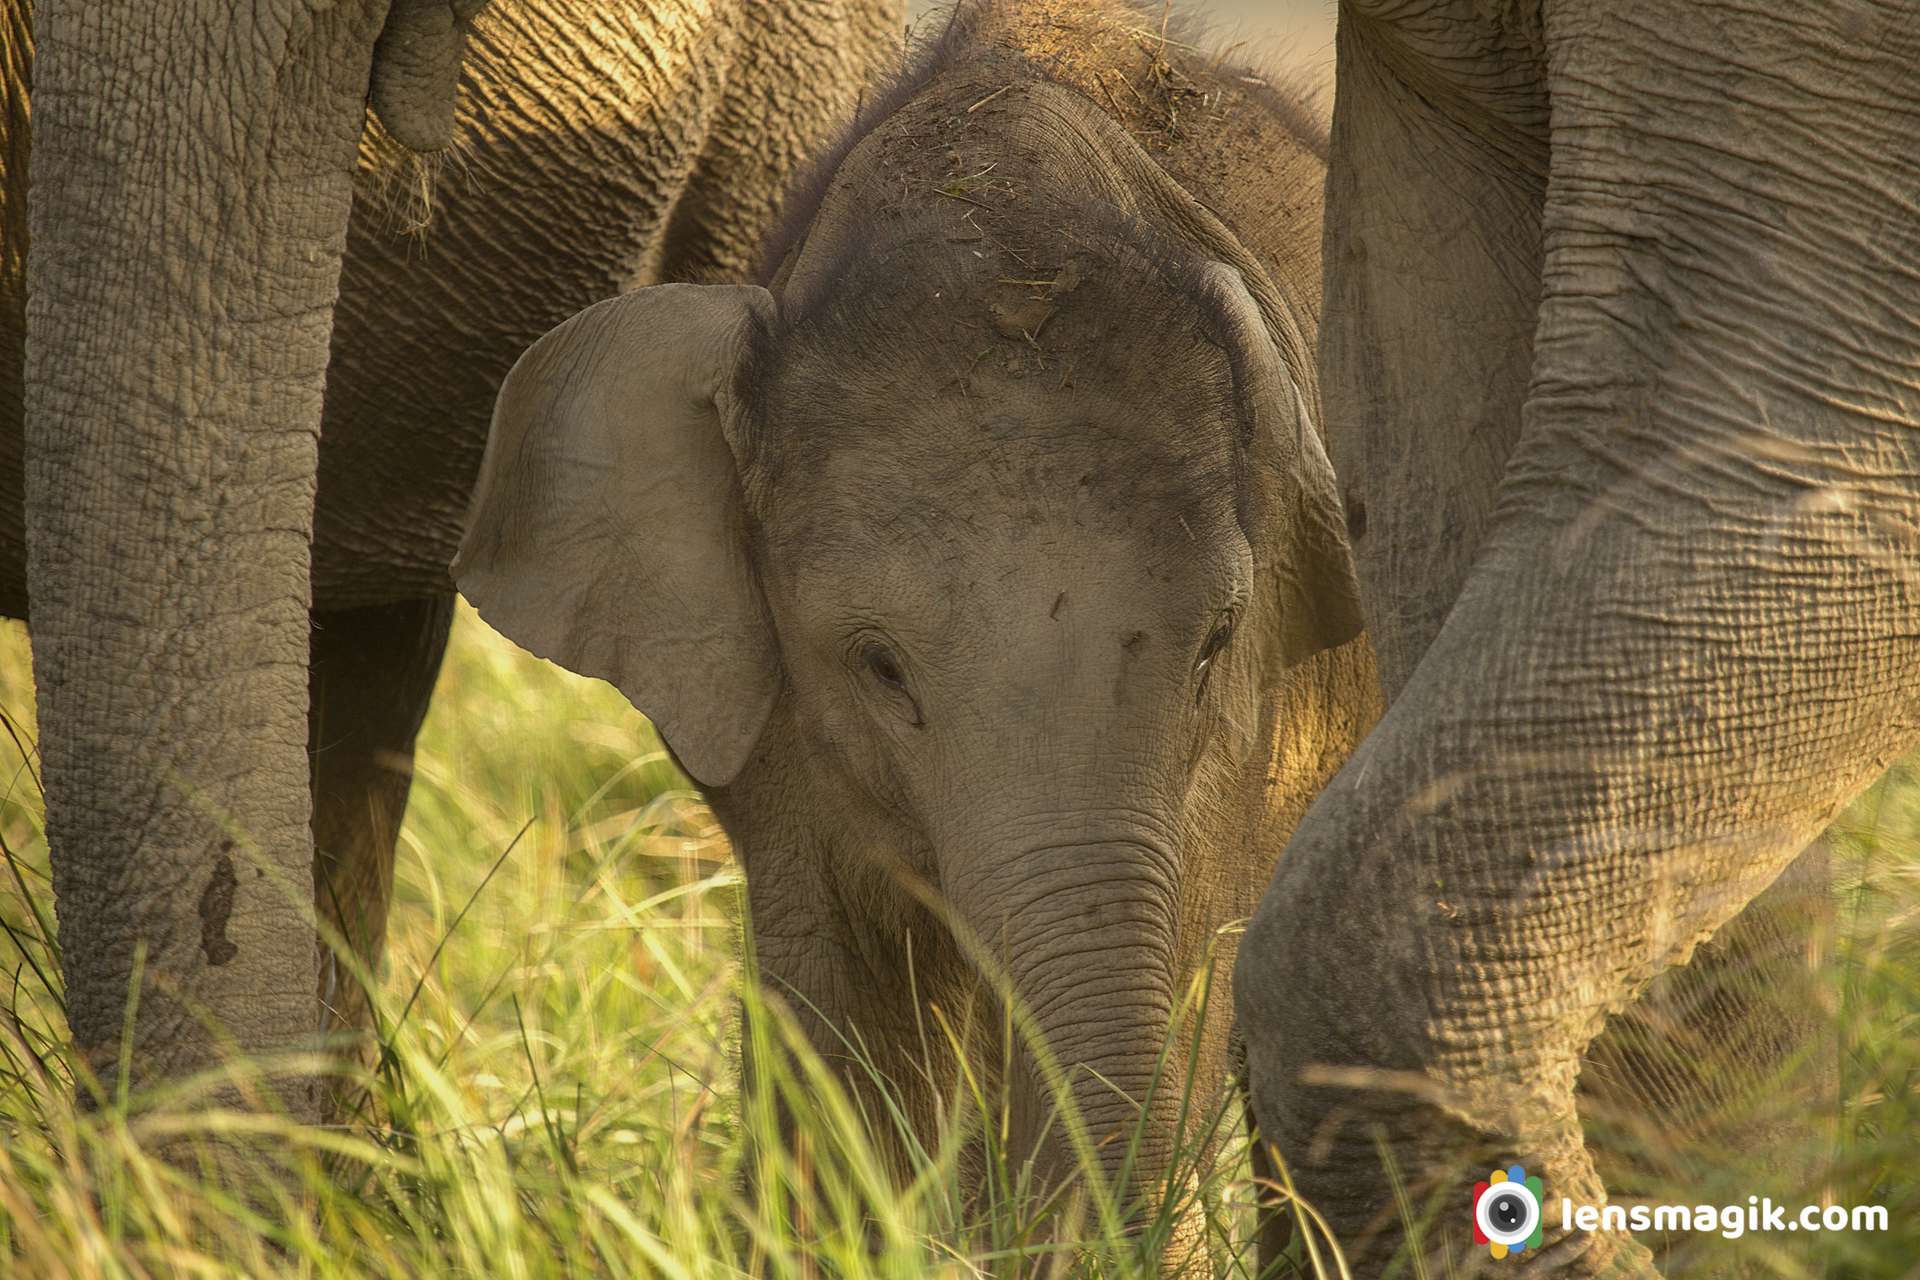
(1435, 188)
(372, 675)
(1686, 642)
(192, 178)
(16, 79)
(1722, 1065)
(1722, 1080)
(1420, 462)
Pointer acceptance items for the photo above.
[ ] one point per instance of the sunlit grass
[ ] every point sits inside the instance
(560, 1089)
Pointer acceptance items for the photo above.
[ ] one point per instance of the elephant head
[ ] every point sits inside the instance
(1024, 602)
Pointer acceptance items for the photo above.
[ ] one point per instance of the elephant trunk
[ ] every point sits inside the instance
(1082, 938)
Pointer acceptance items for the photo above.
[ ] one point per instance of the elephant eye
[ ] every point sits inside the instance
(884, 665)
(1217, 641)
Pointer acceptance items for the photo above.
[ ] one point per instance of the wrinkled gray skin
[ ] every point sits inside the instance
(1626, 392)
(193, 168)
(1000, 650)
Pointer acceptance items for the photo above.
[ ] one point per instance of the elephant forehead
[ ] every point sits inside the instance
(1012, 466)
(987, 548)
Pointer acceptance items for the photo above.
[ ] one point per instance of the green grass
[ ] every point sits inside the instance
(561, 1095)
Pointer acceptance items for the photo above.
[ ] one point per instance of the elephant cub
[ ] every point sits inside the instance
(985, 568)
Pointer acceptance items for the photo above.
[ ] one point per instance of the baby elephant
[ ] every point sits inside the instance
(985, 569)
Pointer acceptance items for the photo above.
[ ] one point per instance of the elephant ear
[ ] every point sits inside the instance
(1310, 561)
(608, 528)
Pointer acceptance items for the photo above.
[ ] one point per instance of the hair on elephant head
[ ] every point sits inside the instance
(935, 553)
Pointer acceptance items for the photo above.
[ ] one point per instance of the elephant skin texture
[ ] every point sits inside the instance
(1007, 657)
(228, 673)
(1622, 394)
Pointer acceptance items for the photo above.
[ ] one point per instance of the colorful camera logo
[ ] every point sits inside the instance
(1506, 1211)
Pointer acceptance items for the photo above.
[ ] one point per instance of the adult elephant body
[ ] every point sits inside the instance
(1619, 366)
(198, 625)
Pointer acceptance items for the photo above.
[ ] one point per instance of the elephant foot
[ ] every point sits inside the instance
(1400, 1166)
(1393, 1123)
